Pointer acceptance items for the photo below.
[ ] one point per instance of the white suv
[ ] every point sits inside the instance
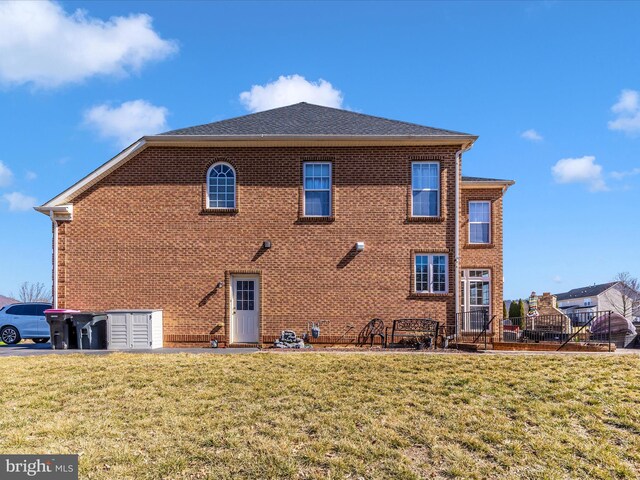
(24, 320)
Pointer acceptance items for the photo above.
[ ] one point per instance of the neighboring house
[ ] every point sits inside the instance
(242, 228)
(7, 301)
(606, 296)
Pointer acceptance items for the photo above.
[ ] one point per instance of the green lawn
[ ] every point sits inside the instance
(327, 415)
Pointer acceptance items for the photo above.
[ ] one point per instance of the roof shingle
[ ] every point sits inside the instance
(484, 180)
(589, 291)
(305, 119)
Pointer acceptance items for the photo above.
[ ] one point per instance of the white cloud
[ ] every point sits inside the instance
(127, 122)
(19, 202)
(628, 173)
(627, 110)
(42, 44)
(532, 135)
(628, 102)
(30, 175)
(288, 90)
(580, 170)
(6, 175)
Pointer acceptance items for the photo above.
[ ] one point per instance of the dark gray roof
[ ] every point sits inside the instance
(305, 119)
(482, 179)
(590, 291)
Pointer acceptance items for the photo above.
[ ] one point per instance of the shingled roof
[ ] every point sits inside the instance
(590, 291)
(486, 180)
(305, 119)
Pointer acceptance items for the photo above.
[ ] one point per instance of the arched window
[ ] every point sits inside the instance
(221, 186)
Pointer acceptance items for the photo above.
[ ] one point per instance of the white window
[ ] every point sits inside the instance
(479, 222)
(431, 273)
(587, 302)
(221, 186)
(317, 189)
(425, 189)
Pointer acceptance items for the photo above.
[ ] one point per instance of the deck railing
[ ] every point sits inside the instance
(561, 329)
(474, 326)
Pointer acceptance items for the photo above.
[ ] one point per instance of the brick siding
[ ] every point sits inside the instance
(142, 238)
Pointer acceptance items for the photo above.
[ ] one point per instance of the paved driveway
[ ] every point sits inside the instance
(27, 349)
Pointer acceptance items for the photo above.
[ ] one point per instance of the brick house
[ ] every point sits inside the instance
(241, 228)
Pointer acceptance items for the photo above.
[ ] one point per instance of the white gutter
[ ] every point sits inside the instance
(63, 213)
(457, 233)
(451, 139)
(54, 290)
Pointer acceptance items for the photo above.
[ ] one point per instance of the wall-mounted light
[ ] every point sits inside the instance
(359, 246)
(266, 244)
(219, 285)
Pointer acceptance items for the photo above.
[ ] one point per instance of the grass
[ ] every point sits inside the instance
(327, 415)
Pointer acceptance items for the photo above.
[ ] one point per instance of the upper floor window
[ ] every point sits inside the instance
(425, 189)
(587, 302)
(317, 189)
(221, 186)
(430, 273)
(479, 222)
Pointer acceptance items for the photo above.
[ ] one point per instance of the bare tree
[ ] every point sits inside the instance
(628, 303)
(33, 292)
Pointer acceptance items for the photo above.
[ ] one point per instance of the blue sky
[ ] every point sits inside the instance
(551, 88)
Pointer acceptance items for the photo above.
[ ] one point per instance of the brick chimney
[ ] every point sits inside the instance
(547, 304)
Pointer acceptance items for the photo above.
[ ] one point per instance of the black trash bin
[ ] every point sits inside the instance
(74, 329)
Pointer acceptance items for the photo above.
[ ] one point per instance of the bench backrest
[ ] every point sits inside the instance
(416, 325)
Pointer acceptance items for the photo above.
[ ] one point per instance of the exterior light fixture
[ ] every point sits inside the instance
(359, 246)
(266, 244)
(219, 285)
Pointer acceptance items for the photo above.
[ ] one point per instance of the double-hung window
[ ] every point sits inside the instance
(425, 189)
(479, 222)
(431, 273)
(317, 189)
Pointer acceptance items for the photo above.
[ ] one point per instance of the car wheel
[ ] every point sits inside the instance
(10, 335)
(40, 340)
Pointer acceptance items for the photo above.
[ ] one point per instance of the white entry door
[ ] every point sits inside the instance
(245, 309)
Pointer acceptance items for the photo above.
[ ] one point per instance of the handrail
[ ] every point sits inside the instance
(484, 331)
(573, 335)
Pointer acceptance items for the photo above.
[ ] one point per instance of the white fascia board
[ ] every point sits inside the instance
(99, 172)
(493, 184)
(430, 139)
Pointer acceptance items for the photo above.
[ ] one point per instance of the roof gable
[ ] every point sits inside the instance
(306, 119)
(589, 291)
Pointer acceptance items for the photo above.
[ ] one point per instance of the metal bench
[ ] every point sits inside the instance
(421, 332)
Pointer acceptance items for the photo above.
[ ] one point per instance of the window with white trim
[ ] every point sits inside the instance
(221, 186)
(431, 273)
(317, 189)
(479, 222)
(425, 189)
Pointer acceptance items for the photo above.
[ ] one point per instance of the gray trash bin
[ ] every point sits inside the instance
(74, 329)
(91, 330)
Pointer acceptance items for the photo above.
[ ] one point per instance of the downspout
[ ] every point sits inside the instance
(55, 259)
(457, 233)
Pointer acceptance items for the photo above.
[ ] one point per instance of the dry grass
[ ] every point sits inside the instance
(327, 415)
